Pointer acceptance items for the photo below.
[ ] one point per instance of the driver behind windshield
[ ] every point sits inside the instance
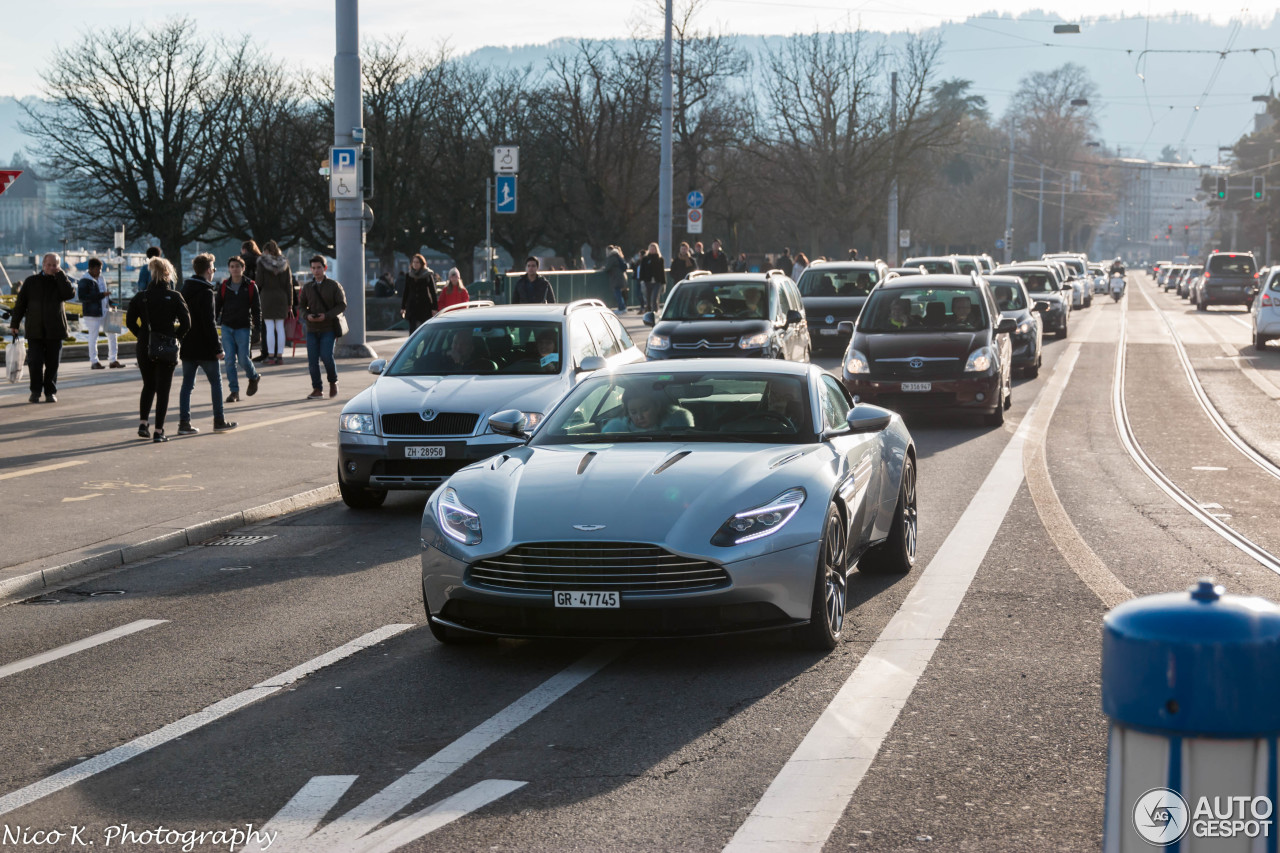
(463, 352)
(754, 308)
(648, 411)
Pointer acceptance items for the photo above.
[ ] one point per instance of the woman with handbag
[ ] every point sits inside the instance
(159, 319)
(323, 303)
(275, 284)
(420, 298)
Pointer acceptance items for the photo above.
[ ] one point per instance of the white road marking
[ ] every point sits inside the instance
(1207, 468)
(431, 818)
(348, 832)
(275, 421)
(82, 498)
(41, 469)
(78, 646)
(303, 813)
(805, 801)
(186, 725)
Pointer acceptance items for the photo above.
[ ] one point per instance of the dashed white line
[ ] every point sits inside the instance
(78, 646)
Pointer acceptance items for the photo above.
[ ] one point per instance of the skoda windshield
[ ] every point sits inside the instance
(923, 309)
(817, 281)
(722, 300)
(466, 347)
(682, 407)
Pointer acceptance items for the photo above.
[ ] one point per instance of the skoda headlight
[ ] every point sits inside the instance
(761, 521)
(359, 423)
(458, 521)
(759, 339)
(659, 342)
(980, 361)
(857, 363)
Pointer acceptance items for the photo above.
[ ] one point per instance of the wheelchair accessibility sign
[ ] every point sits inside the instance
(344, 173)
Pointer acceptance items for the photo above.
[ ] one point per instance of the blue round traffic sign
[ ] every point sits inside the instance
(694, 198)
(999, 244)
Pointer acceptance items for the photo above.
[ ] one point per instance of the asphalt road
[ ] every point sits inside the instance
(1000, 744)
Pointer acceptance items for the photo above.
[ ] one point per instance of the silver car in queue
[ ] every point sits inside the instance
(673, 499)
(426, 416)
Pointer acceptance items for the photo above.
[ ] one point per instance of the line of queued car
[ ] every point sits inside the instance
(708, 481)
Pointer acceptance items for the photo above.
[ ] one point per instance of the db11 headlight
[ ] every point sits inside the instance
(857, 363)
(659, 342)
(759, 339)
(362, 424)
(458, 521)
(980, 361)
(761, 521)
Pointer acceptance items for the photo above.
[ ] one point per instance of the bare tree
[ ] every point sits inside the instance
(135, 122)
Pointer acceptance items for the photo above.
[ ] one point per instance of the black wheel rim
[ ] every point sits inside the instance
(834, 592)
(909, 512)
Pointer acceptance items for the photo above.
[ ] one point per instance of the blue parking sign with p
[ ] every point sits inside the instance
(344, 158)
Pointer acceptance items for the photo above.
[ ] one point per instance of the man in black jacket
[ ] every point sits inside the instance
(239, 310)
(717, 261)
(201, 348)
(531, 287)
(40, 302)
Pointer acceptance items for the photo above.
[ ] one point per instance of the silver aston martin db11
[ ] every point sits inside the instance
(669, 500)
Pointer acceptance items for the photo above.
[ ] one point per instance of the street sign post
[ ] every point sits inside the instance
(7, 177)
(694, 199)
(505, 196)
(694, 221)
(506, 159)
(344, 173)
(904, 239)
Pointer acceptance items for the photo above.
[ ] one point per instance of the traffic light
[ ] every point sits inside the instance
(366, 171)
(1222, 189)
(1169, 228)
(1186, 229)
(1259, 187)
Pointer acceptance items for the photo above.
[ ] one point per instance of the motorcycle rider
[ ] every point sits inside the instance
(1117, 279)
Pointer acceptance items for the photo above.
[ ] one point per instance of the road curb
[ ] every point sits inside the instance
(42, 580)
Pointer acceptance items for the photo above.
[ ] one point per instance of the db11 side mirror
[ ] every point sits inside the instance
(845, 327)
(865, 417)
(1040, 306)
(508, 422)
(648, 319)
(592, 363)
(378, 366)
(1006, 326)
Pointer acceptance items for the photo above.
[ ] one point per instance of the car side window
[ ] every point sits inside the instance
(793, 296)
(619, 331)
(834, 404)
(580, 340)
(605, 341)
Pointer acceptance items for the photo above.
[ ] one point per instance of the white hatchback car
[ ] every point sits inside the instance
(1265, 310)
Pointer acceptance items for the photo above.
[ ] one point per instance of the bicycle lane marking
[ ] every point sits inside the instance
(805, 801)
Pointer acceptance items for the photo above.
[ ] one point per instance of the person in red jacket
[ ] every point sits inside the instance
(454, 293)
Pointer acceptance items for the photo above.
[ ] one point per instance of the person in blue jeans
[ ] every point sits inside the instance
(322, 302)
(201, 348)
(239, 310)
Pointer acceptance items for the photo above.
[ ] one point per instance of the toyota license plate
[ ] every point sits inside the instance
(430, 451)
(565, 598)
(917, 386)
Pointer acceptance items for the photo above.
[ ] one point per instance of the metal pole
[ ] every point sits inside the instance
(1040, 215)
(664, 169)
(892, 254)
(1008, 204)
(488, 234)
(1062, 214)
(348, 231)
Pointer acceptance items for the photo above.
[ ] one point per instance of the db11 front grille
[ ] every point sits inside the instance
(604, 566)
(445, 423)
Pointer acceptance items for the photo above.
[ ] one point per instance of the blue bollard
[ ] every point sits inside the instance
(1191, 685)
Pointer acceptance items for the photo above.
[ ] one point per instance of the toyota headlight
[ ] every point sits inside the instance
(457, 520)
(761, 521)
(857, 363)
(358, 423)
(659, 342)
(980, 361)
(759, 339)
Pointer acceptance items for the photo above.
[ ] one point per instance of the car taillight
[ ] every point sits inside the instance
(1266, 299)
(1206, 275)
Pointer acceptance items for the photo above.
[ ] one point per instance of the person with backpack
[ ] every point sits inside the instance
(41, 303)
(159, 319)
(323, 303)
(201, 348)
(275, 281)
(95, 302)
(239, 310)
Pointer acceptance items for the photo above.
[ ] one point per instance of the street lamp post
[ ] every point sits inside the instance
(348, 132)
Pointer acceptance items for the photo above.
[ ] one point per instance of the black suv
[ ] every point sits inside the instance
(731, 315)
(1230, 278)
(834, 291)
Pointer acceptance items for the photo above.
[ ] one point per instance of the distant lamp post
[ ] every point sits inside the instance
(1066, 29)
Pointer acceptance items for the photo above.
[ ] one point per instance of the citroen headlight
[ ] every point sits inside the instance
(980, 361)
(458, 521)
(761, 521)
(358, 423)
(857, 363)
(759, 339)
(659, 342)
